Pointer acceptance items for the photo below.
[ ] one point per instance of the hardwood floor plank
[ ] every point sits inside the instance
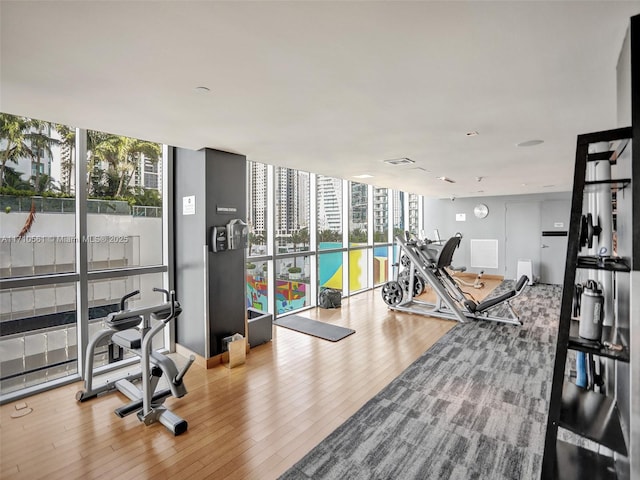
(250, 422)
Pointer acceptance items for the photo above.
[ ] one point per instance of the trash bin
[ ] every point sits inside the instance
(260, 327)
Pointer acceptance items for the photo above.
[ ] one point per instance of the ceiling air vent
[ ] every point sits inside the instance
(399, 161)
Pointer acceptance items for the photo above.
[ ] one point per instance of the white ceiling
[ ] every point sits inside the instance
(331, 87)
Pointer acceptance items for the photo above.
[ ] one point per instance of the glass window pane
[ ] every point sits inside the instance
(104, 298)
(398, 213)
(124, 222)
(380, 215)
(330, 270)
(37, 197)
(257, 285)
(329, 192)
(292, 283)
(414, 201)
(292, 210)
(380, 264)
(257, 208)
(38, 340)
(358, 269)
(358, 205)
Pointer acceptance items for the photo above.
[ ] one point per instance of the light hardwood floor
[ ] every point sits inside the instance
(250, 422)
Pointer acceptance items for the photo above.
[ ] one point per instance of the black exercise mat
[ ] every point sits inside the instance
(322, 330)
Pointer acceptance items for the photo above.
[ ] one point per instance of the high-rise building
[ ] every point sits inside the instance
(329, 192)
(380, 209)
(257, 191)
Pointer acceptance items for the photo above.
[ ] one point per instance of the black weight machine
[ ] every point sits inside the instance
(427, 262)
(131, 329)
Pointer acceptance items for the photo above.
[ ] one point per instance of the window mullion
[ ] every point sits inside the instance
(82, 288)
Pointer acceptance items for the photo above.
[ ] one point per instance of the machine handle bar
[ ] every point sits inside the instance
(166, 292)
(126, 297)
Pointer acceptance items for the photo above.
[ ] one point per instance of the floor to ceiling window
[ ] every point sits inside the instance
(358, 236)
(292, 221)
(330, 222)
(339, 231)
(381, 233)
(70, 253)
(258, 256)
(38, 229)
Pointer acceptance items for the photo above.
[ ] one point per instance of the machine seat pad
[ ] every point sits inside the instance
(162, 314)
(492, 302)
(521, 283)
(446, 254)
(122, 323)
(130, 339)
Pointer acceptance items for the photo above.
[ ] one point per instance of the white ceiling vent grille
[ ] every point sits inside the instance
(399, 161)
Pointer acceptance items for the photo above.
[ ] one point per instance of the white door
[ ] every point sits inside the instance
(522, 225)
(554, 222)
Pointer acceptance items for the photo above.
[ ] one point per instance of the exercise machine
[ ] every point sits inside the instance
(477, 283)
(430, 261)
(132, 330)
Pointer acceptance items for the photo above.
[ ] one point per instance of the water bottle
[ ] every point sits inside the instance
(591, 311)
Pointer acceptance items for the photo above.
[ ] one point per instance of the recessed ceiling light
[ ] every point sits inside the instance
(399, 161)
(202, 89)
(446, 179)
(363, 175)
(529, 143)
(523, 184)
(472, 133)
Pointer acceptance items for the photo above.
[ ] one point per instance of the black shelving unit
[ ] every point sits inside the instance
(607, 416)
(610, 335)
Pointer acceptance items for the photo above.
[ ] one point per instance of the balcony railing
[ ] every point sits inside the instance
(11, 203)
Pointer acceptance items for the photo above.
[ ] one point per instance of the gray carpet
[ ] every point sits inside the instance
(474, 406)
(323, 330)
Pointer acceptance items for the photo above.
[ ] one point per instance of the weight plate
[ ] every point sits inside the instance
(403, 280)
(392, 293)
(418, 285)
(405, 260)
(583, 230)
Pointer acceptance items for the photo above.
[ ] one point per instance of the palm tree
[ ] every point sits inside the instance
(122, 154)
(328, 235)
(13, 132)
(41, 144)
(13, 179)
(300, 236)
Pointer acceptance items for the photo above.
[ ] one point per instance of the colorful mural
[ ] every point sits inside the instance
(380, 265)
(357, 270)
(290, 295)
(330, 270)
(257, 292)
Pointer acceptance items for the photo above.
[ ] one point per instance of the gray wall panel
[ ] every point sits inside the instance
(441, 214)
(190, 237)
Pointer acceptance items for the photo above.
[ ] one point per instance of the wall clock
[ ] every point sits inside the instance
(481, 210)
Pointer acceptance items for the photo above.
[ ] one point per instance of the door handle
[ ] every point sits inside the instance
(544, 246)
